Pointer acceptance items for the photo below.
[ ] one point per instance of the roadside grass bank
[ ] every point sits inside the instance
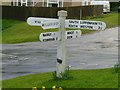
(110, 19)
(99, 78)
(14, 31)
(9, 23)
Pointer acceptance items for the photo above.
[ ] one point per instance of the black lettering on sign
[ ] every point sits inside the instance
(59, 61)
(70, 32)
(73, 26)
(47, 34)
(49, 39)
(37, 21)
(99, 28)
(100, 23)
(50, 24)
(88, 27)
(87, 22)
(74, 22)
(69, 37)
(56, 38)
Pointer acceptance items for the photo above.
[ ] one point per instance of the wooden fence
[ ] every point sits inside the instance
(22, 13)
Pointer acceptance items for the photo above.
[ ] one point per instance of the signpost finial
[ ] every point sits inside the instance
(62, 13)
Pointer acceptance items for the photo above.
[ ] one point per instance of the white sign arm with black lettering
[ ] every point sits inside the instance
(47, 23)
(48, 36)
(85, 24)
(34, 21)
(73, 34)
(54, 36)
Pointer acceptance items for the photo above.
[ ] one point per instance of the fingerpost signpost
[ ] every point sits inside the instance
(62, 35)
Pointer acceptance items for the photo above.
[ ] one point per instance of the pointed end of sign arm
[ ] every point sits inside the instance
(104, 26)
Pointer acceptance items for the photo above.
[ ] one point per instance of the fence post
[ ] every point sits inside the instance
(61, 48)
(80, 14)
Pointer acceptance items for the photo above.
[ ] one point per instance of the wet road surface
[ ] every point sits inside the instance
(98, 50)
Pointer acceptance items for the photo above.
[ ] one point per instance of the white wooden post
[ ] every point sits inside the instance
(47, 3)
(33, 3)
(80, 14)
(21, 2)
(62, 3)
(17, 2)
(61, 48)
(58, 2)
(26, 3)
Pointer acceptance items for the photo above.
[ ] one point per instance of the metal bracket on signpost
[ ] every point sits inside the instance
(59, 61)
(61, 48)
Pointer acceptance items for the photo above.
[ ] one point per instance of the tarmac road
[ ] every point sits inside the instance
(98, 50)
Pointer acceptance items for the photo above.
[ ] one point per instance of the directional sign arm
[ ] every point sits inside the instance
(49, 36)
(54, 36)
(73, 34)
(85, 24)
(34, 21)
(47, 23)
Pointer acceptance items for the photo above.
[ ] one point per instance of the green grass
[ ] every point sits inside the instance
(110, 19)
(21, 32)
(14, 31)
(9, 23)
(100, 78)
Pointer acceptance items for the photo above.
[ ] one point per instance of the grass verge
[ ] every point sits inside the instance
(100, 78)
(110, 19)
(14, 31)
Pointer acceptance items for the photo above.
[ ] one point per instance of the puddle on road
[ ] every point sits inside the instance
(106, 44)
(98, 42)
